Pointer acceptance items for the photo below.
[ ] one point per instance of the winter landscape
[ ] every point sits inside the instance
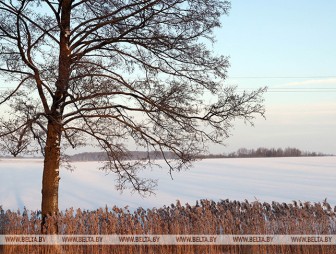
(179, 80)
(263, 179)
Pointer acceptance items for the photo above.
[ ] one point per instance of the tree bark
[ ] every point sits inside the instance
(50, 180)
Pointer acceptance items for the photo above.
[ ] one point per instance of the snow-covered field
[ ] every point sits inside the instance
(265, 179)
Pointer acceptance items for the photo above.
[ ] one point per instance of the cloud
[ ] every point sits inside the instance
(311, 82)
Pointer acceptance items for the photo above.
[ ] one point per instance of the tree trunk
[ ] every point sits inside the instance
(51, 177)
(50, 180)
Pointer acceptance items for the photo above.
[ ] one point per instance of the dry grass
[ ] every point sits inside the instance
(206, 217)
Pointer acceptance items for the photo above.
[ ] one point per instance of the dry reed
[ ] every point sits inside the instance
(206, 217)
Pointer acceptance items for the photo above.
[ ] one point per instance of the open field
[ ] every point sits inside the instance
(264, 179)
(257, 180)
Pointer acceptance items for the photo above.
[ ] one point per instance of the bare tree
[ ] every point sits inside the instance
(17, 141)
(19, 138)
(108, 72)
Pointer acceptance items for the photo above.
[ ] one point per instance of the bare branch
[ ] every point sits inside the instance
(107, 72)
(11, 94)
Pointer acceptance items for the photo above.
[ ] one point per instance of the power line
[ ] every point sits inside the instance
(278, 77)
(316, 91)
(270, 89)
(294, 90)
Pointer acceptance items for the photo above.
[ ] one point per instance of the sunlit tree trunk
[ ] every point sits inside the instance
(50, 181)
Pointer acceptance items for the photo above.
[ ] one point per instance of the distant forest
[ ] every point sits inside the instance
(240, 153)
(260, 152)
(267, 152)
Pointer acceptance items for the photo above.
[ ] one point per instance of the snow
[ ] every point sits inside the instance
(264, 179)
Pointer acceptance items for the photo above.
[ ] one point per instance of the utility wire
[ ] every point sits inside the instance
(278, 77)
(282, 91)
(274, 90)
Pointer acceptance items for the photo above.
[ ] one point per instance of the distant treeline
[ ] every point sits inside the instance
(266, 152)
(240, 153)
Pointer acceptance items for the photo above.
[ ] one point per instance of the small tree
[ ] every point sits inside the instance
(107, 72)
(17, 141)
(19, 138)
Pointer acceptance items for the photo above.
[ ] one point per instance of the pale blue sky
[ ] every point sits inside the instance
(291, 39)
(283, 38)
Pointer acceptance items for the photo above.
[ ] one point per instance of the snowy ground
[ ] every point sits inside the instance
(266, 179)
